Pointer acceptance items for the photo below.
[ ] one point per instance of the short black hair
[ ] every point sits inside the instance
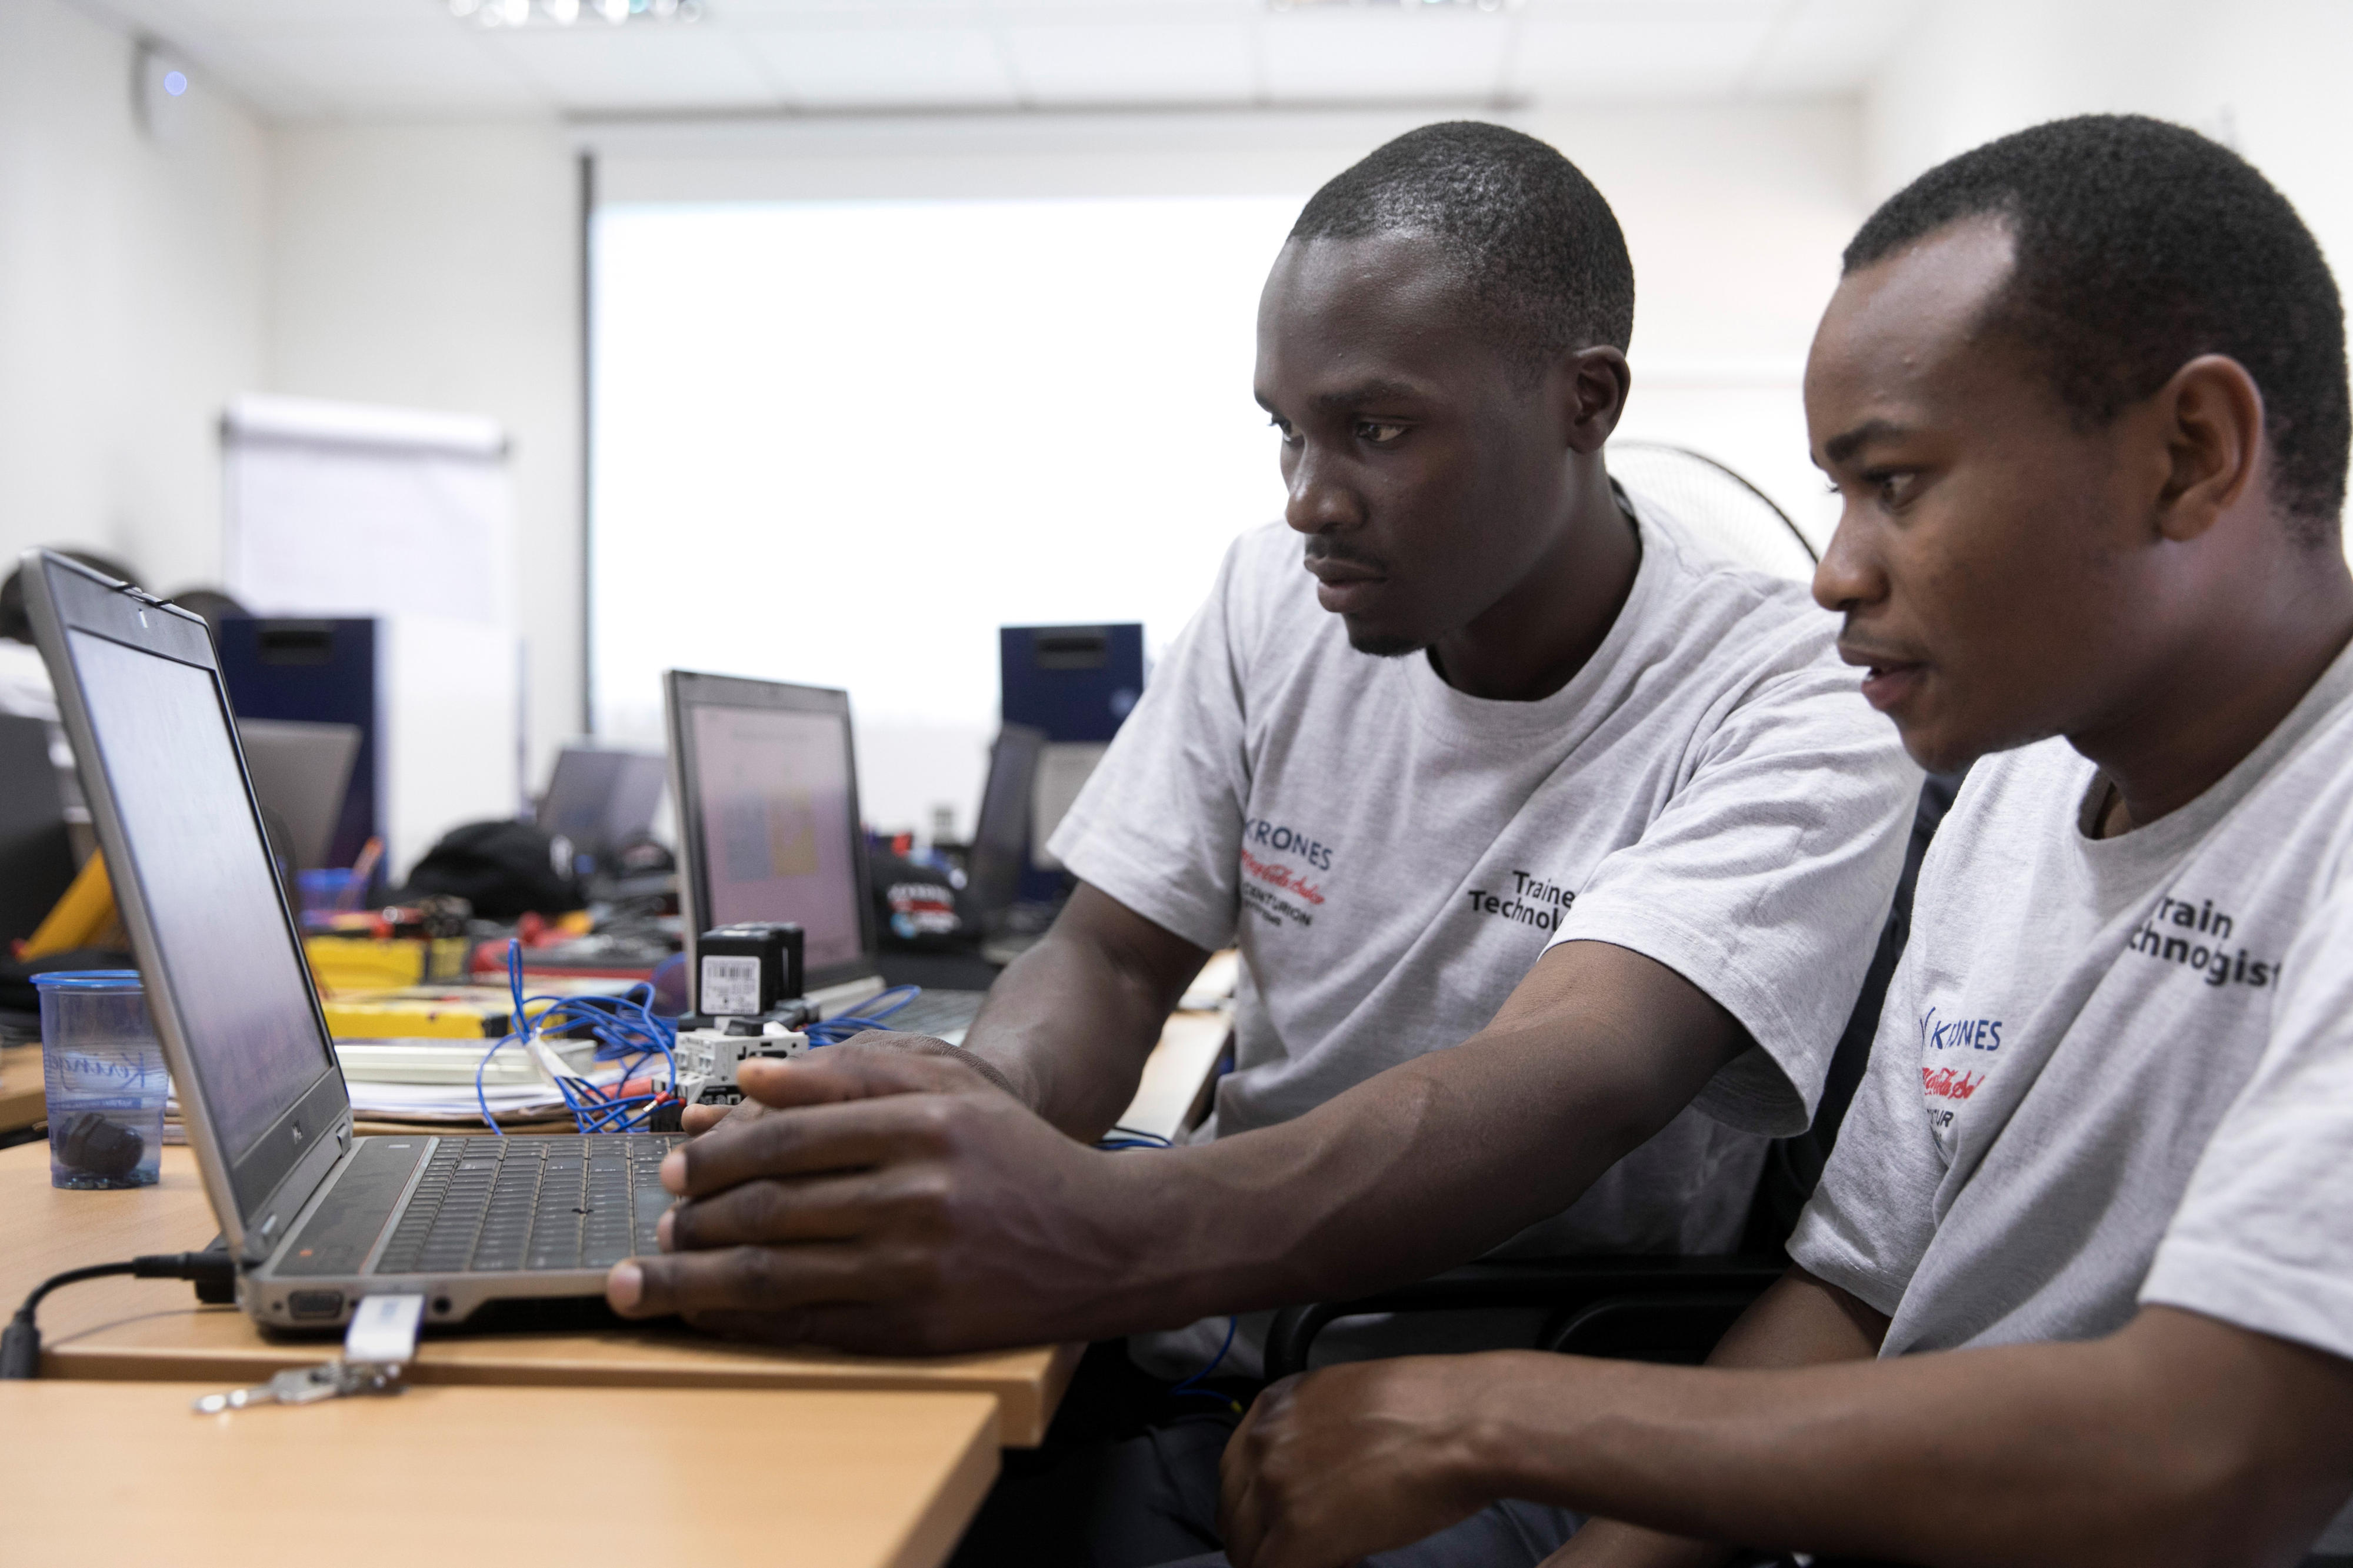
(2140, 246)
(1538, 250)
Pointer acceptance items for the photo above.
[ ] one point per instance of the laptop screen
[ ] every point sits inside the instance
(775, 802)
(238, 980)
(599, 798)
(1003, 828)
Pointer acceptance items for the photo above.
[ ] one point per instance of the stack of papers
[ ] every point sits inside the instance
(448, 1103)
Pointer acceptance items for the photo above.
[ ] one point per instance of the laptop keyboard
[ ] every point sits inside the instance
(530, 1204)
(936, 1013)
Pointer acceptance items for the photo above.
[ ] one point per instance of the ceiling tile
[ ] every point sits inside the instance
(592, 67)
(884, 67)
(175, 21)
(1651, 10)
(1831, 45)
(400, 76)
(1363, 56)
(1206, 61)
(1608, 54)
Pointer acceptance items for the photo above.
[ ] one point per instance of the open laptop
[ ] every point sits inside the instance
(317, 1217)
(765, 779)
(1001, 834)
(600, 799)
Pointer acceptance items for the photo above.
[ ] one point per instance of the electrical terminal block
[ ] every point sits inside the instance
(707, 1058)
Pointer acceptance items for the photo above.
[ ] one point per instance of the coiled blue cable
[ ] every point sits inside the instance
(626, 1031)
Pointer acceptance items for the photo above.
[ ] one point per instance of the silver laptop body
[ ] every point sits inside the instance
(317, 1217)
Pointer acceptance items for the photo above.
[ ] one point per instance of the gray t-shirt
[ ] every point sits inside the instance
(1393, 855)
(2115, 1071)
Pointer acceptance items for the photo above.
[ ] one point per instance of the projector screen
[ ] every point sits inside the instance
(841, 443)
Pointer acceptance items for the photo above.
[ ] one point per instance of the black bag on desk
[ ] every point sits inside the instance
(20, 1001)
(504, 869)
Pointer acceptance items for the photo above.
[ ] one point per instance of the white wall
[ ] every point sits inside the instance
(131, 296)
(1734, 215)
(437, 267)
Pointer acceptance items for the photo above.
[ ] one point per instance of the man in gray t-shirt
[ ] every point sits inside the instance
(1551, 844)
(2085, 392)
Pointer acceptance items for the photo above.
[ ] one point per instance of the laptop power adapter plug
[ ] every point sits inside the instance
(20, 1342)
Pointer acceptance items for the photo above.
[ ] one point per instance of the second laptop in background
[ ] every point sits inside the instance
(765, 778)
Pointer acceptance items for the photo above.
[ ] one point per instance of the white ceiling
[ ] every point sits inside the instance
(326, 59)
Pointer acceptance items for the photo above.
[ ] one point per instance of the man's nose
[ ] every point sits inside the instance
(1850, 573)
(1319, 499)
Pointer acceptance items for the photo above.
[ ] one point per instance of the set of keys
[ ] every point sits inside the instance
(377, 1350)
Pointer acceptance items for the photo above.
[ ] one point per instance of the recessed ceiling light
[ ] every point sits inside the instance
(1399, 5)
(564, 13)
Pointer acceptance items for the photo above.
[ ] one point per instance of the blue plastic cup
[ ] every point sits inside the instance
(104, 1074)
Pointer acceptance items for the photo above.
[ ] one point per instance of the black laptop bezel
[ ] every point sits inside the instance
(251, 1193)
(685, 688)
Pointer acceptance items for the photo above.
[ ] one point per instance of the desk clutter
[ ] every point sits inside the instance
(431, 1118)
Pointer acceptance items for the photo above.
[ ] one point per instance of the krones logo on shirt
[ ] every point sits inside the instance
(1281, 892)
(1955, 1054)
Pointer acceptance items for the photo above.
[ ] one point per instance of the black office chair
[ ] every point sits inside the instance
(1660, 1307)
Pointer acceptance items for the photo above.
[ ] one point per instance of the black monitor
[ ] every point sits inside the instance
(766, 784)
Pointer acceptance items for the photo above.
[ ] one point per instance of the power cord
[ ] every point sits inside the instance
(20, 1342)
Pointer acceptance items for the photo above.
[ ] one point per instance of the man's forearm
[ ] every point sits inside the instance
(1071, 1022)
(2137, 1448)
(1799, 1321)
(1433, 1162)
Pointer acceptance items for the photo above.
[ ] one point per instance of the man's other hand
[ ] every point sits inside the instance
(882, 1200)
(1333, 1465)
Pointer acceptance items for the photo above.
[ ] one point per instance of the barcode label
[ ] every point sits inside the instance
(730, 985)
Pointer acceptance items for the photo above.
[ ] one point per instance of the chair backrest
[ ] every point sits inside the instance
(1792, 1165)
(1727, 515)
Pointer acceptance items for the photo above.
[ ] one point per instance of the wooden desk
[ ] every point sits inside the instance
(128, 1473)
(154, 1328)
(21, 1100)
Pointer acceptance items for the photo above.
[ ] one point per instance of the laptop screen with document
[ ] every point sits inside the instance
(768, 815)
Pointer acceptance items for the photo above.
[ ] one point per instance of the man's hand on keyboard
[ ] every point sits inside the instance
(880, 1199)
(699, 1118)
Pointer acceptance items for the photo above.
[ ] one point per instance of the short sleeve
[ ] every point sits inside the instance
(1874, 1210)
(2264, 1237)
(1158, 826)
(1765, 881)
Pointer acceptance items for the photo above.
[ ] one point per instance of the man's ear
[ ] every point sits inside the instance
(2211, 417)
(1594, 382)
